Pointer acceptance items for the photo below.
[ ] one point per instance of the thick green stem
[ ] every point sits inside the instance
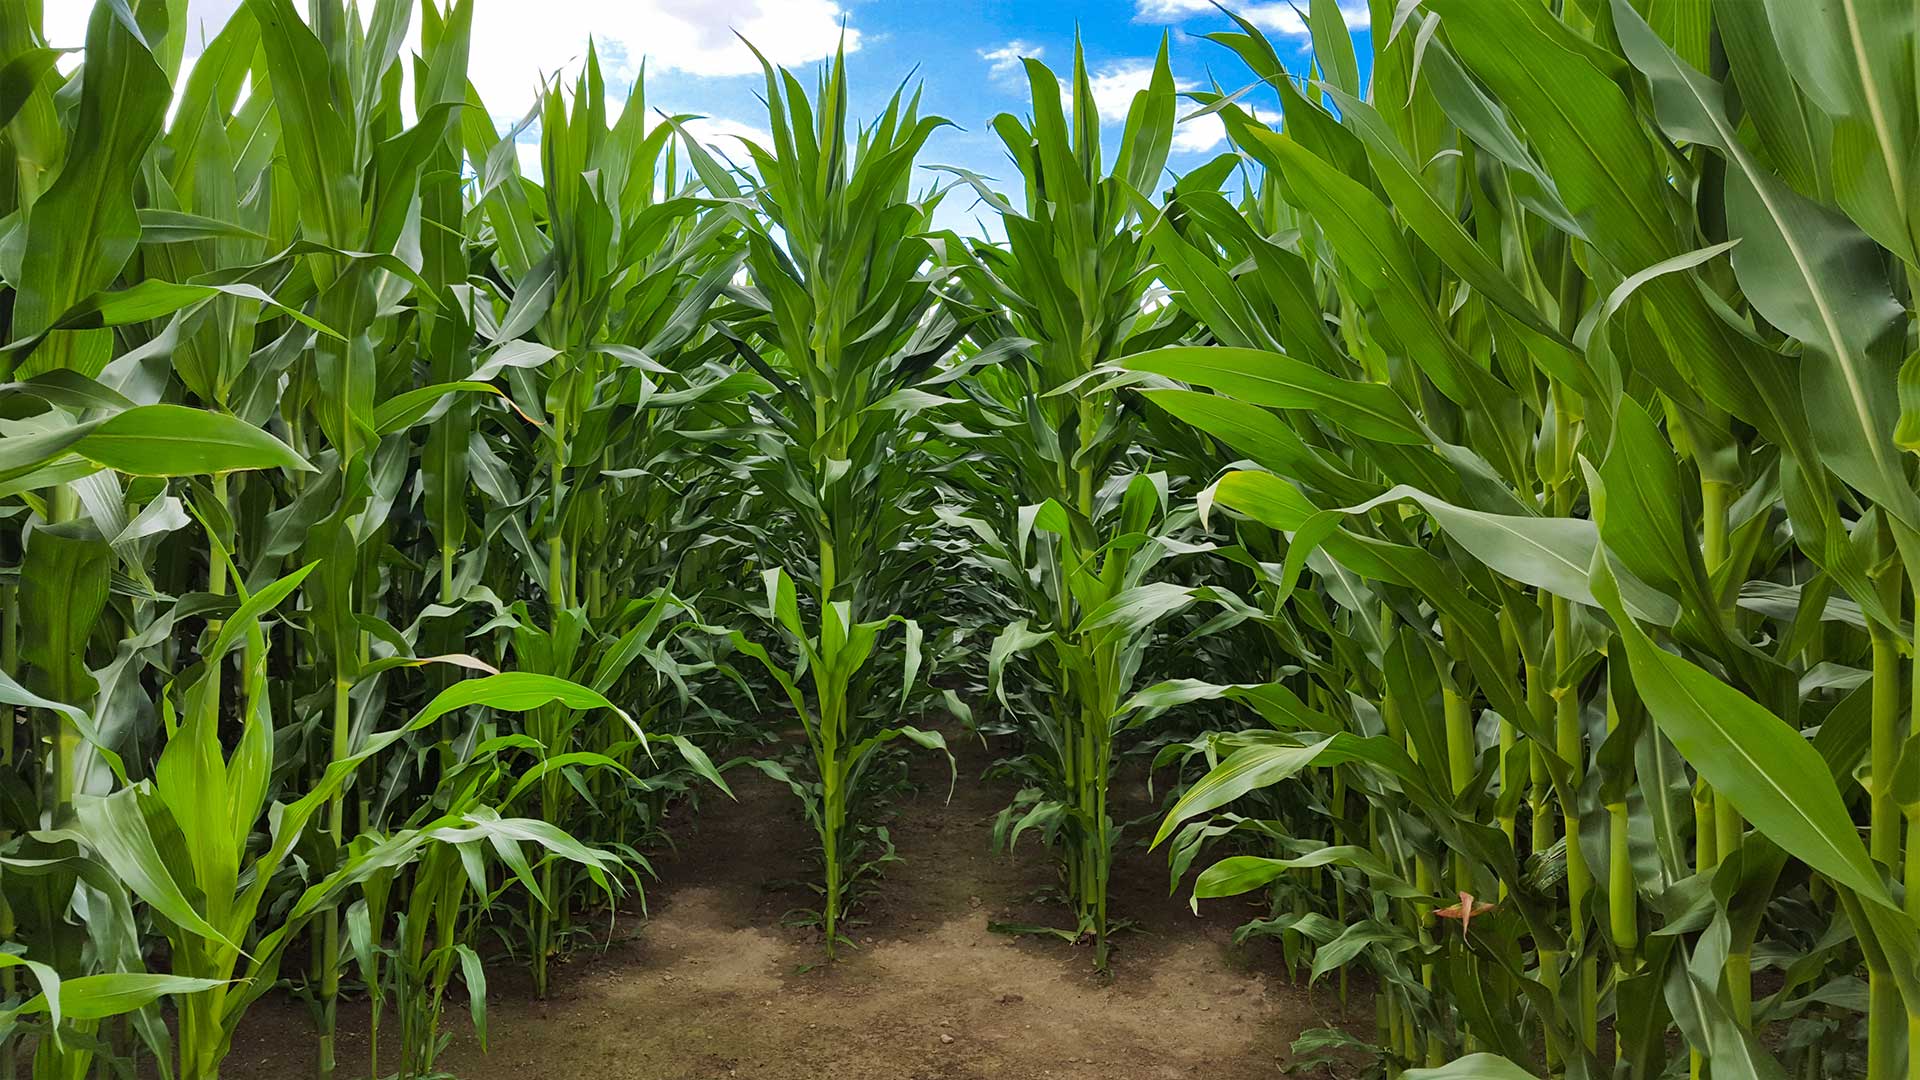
(1460, 760)
(9, 1048)
(832, 720)
(1706, 839)
(1092, 806)
(62, 505)
(1571, 746)
(1883, 836)
(446, 575)
(1912, 860)
(833, 810)
(1540, 785)
(1569, 740)
(1622, 918)
(556, 549)
(216, 585)
(542, 913)
(1418, 913)
(1540, 816)
(1885, 1011)
(1727, 824)
(1913, 911)
(9, 663)
(1706, 855)
(1887, 1026)
(1509, 824)
(1714, 496)
(1387, 1006)
(329, 958)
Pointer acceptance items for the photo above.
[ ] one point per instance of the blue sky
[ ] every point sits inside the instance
(964, 51)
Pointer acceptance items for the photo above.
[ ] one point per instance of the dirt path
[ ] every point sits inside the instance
(713, 986)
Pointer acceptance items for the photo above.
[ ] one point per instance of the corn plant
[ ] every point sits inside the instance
(438, 900)
(841, 322)
(1065, 296)
(373, 517)
(1601, 588)
(156, 522)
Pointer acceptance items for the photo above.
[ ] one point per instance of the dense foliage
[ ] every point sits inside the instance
(1484, 495)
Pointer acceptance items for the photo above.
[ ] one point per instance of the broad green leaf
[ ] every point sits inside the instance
(96, 997)
(173, 440)
(1278, 381)
(1771, 773)
(1332, 45)
(63, 589)
(83, 229)
(405, 410)
(1243, 771)
(1472, 1067)
(1809, 271)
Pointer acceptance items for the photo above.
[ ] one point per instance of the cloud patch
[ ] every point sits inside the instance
(1004, 61)
(695, 37)
(516, 43)
(1280, 18)
(720, 133)
(1114, 87)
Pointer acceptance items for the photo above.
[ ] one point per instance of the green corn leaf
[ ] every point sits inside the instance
(1278, 381)
(1772, 774)
(1809, 271)
(1473, 1067)
(97, 997)
(82, 231)
(173, 440)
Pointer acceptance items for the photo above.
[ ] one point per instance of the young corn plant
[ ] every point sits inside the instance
(438, 900)
(1065, 296)
(602, 291)
(354, 170)
(202, 286)
(841, 321)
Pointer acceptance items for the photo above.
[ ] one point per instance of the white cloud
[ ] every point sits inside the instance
(716, 132)
(65, 23)
(517, 42)
(1005, 60)
(529, 154)
(1200, 134)
(1281, 18)
(727, 134)
(724, 131)
(1114, 87)
(1113, 90)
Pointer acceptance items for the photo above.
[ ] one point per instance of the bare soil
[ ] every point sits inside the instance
(711, 984)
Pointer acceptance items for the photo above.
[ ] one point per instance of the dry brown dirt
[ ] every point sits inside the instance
(710, 985)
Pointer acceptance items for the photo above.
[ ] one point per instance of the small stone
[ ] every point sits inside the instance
(946, 1038)
(1012, 999)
